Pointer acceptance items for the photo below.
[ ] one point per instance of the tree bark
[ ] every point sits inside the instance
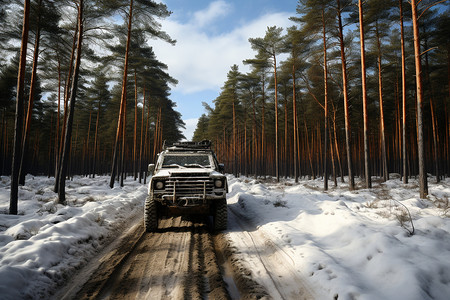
(402, 41)
(13, 204)
(254, 138)
(23, 165)
(325, 79)
(423, 184)
(364, 91)
(235, 162)
(141, 148)
(123, 101)
(135, 127)
(66, 98)
(277, 167)
(122, 167)
(384, 168)
(73, 92)
(94, 159)
(294, 118)
(263, 132)
(348, 133)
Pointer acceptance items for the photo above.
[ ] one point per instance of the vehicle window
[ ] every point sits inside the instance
(186, 161)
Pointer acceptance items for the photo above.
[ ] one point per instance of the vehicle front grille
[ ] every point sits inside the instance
(189, 186)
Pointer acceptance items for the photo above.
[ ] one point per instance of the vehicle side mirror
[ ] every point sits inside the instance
(151, 168)
(221, 168)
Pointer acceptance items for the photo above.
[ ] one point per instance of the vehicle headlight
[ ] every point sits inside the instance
(218, 183)
(159, 185)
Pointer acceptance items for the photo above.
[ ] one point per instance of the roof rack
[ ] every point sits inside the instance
(205, 144)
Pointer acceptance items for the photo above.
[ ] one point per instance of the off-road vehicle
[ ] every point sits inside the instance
(186, 179)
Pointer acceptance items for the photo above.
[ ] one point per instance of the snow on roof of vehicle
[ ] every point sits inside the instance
(189, 146)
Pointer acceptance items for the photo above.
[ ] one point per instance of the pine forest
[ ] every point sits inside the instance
(352, 89)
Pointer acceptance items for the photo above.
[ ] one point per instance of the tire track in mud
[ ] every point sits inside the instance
(176, 262)
(156, 268)
(280, 278)
(182, 260)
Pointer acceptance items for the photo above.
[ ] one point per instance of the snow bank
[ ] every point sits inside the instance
(46, 242)
(352, 244)
(346, 244)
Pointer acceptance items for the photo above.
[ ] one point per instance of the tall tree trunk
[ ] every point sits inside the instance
(3, 142)
(156, 134)
(73, 92)
(254, 139)
(380, 96)
(294, 118)
(146, 145)
(423, 183)
(235, 171)
(66, 99)
(23, 165)
(13, 202)
(447, 113)
(433, 118)
(88, 156)
(94, 159)
(50, 147)
(123, 101)
(333, 165)
(245, 145)
(364, 91)
(325, 80)
(402, 41)
(277, 167)
(286, 156)
(135, 127)
(58, 118)
(348, 133)
(141, 148)
(309, 151)
(263, 132)
(336, 143)
(122, 157)
(435, 141)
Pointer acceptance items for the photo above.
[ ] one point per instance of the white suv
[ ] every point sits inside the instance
(186, 179)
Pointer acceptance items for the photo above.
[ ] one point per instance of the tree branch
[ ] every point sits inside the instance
(429, 7)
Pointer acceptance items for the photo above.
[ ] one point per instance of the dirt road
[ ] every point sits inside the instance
(180, 261)
(183, 260)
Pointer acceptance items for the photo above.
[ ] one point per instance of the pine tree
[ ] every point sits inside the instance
(22, 169)
(364, 91)
(201, 130)
(423, 183)
(144, 11)
(73, 94)
(13, 205)
(348, 133)
(260, 65)
(272, 45)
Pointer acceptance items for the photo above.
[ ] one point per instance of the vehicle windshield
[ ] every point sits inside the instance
(200, 161)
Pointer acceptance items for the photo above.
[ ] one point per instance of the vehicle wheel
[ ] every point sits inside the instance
(150, 215)
(220, 215)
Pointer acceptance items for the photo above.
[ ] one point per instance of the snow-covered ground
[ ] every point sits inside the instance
(352, 244)
(47, 242)
(349, 244)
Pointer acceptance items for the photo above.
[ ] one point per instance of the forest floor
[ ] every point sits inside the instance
(284, 241)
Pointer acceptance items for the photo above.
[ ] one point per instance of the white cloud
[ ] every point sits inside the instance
(215, 10)
(201, 61)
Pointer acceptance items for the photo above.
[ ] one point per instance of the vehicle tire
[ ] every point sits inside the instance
(150, 215)
(220, 215)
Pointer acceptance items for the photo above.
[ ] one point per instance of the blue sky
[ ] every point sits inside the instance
(211, 37)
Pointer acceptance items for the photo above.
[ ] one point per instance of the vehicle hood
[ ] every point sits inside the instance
(175, 172)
